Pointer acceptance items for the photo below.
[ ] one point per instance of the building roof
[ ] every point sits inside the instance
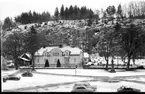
(73, 50)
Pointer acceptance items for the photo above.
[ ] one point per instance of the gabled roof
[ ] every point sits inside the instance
(41, 50)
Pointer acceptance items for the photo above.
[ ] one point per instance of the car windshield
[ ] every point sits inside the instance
(80, 88)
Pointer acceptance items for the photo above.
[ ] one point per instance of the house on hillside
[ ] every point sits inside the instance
(56, 56)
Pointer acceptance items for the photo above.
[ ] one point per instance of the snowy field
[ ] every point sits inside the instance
(92, 72)
(47, 80)
(38, 80)
(8, 72)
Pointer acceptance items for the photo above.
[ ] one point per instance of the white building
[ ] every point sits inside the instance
(67, 57)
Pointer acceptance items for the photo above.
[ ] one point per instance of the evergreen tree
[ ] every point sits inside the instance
(46, 63)
(62, 12)
(70, 12)
(58, 63)
(66, 13)
(111, 11)
(56, 13)
(8, 23)
(119, 11)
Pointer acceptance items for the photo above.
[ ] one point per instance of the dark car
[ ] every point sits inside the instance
(127, 89)
(27, 74)
(11, 78)
(4, 79)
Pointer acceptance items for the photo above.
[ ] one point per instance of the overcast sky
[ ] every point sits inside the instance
(13, 8)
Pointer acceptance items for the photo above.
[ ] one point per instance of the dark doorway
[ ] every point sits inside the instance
(46, 63)
(58, 63)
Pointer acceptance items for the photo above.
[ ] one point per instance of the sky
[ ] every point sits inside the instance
(13, 8)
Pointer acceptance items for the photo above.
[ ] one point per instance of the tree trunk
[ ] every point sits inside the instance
(106, 64)
(33, 63)
(16, 64)
(128, 63)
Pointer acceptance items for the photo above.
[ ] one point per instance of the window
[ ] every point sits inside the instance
(38, 60)
(55, 54)
(48, 54)
(67, 53)
(74, 59)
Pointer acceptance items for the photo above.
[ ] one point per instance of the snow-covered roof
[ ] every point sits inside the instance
(86, 55)
(73, 50)
(41, 50)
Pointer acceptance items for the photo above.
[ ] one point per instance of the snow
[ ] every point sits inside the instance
(37, 80)
(42, 81)
(92, 72)
(86, 55)
(8, 72)
(74, 50)
(101, 87)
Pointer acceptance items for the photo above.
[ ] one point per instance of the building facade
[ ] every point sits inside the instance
(59, 57)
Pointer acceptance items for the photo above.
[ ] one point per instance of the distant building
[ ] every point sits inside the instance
(3, 63)
(65, 56)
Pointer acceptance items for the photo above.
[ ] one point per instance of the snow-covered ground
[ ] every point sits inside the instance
(92, 72)
(8, 72)
(42, 81)
(101, 87)
(38, 80)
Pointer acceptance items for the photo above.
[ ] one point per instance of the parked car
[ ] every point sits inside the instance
(27, 74)
(127, 89)
(141, 65)
(11, 77)
(4, 79)
(89, 63)
(83, 87)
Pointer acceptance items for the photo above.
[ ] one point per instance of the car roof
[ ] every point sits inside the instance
(82, 83)
(80, 86)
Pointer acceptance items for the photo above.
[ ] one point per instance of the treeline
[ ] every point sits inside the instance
(73, 13)
(68, 13)
(135, 9)
(131, 10)
(29, 17)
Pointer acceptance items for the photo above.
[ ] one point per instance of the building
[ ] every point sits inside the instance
(3, 63)
(56, 56)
